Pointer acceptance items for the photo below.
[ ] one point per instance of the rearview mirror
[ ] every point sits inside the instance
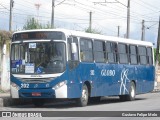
(74, 47)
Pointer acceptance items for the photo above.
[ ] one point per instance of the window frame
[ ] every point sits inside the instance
(112, 51)
(150, 56)
(69, 47)
(122, 53)
(136, 54)
(141, 55)
(81, 50)
(98, 51)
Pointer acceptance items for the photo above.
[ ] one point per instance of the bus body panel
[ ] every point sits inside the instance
(118, 83)
(105, 80)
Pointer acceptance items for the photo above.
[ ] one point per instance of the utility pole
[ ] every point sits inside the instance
(157, 54)
(52, 16)
(10, 15)
(158, 43)
(118, 31)
(5, 71)
(90, 21)
(128, 20)
(143, 31)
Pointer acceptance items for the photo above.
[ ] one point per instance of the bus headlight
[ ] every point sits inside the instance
(15, 86)
(14, 90)
(60, 85)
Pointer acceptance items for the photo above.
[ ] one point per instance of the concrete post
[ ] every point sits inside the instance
(5, 77)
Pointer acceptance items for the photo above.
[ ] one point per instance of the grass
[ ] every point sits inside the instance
(1, 91)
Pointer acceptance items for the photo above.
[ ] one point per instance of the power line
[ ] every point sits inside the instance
(114, 13)
(133, 12)
(83, 7)
(121, 3)
(49, 17)
(100, 11)
(133, 17)
(148, 4)
(152, 25)
(4, 7)
(60, 2)
(142, 4)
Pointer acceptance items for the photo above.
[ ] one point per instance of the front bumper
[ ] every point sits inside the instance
(45, 93)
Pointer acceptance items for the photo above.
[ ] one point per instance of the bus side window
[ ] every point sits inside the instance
(133, 54)
(142, 55)
(123, 53)
(69, 48)
(75, 56)
(73, 52)
(99, 51)
(82, 55)
(149, 55)
(111, 48)
(71, 55)
(86, 50)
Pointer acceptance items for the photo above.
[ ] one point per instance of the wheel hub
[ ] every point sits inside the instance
(84, 95)
(132, 92)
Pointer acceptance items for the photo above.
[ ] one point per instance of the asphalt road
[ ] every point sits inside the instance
(145, 102)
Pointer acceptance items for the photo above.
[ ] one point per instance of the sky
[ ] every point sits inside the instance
(107, 15)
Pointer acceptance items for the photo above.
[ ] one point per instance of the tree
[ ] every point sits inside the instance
(47, 26)
(32, 23)
(155, 56)
(95, 31)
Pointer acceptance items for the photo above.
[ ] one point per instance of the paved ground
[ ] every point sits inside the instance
(5, 99)
(145, 102)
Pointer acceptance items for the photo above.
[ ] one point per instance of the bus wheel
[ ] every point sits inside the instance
(132, 92)
(38, 102)
(83, 100)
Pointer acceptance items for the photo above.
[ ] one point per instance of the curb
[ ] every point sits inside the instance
(155, 90)
(6, 100)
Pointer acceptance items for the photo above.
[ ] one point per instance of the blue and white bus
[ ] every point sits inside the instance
(59, 63)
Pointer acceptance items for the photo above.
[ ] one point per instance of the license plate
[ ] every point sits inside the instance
(36, 94)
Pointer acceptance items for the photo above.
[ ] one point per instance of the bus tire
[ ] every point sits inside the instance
(94, 99)
(132, 92)
(122, 97)
(38, 102)
(83, 100)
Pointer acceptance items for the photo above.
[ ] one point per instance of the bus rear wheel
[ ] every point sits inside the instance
(38, 102)
(132, 92)
(131, 95)
(83, 100)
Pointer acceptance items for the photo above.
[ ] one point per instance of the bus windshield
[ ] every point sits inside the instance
(38, 58)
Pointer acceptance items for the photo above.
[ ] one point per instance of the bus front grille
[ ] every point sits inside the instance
(28, 80)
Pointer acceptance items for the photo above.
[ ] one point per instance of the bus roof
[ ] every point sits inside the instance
(94, 36)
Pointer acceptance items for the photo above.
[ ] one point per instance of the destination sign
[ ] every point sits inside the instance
(50, 35)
